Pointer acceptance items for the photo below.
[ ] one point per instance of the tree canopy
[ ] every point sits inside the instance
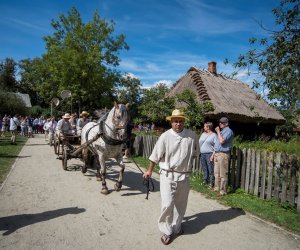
(8, 68)
(155, 105)
(193, 109)
(277, 57)
(80, 57)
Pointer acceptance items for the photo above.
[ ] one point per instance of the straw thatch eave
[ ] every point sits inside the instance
(230, 97)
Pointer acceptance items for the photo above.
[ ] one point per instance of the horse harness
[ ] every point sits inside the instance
(107, 139)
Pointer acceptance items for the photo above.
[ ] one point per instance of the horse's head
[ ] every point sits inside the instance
(119, 118)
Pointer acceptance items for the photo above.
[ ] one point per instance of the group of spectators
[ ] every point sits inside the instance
(28, 126)
(146, 127)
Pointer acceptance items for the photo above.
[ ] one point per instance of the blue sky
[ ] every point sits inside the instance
(166, 37)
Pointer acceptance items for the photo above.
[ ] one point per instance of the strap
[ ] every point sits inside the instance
(171, 170)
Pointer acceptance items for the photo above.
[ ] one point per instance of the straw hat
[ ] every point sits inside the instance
(177, 114)
(67, 116)
(84, 113)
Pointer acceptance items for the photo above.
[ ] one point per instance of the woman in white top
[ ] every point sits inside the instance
(206, 143)
(13, 127)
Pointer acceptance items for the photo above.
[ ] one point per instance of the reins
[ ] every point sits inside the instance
(146, 181)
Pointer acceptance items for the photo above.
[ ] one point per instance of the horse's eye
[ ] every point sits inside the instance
(118, 117)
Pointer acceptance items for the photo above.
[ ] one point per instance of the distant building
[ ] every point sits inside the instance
(247, 112)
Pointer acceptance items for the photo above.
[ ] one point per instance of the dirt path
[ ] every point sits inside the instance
(44, 207)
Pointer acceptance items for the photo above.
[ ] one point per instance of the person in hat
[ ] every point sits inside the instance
(174, 152)
(64, 126)
(82, 121)
(221, 155)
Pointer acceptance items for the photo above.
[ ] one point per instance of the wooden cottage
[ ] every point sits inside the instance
(247, 112)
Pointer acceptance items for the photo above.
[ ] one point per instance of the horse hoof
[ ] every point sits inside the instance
(117, 188)
(104, 191)
(98, 178)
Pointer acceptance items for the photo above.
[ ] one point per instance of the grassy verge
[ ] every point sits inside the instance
(9, 153)
(282, 215)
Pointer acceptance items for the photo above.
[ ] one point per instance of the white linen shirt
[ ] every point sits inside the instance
(64, 127)
(176, 151)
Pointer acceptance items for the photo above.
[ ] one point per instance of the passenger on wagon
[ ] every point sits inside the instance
(82, 121)
(64, 126)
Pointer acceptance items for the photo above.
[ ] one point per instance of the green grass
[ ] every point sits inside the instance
(290, 147)
(9, 153)
(283, 215)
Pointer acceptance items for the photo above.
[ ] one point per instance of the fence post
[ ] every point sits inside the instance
(144, 146)
(244, 166)
(293, 180)
(238, 168)
(232, 170)
(270, 175)
(298, 198)
(256, 182)
(248, 170)
(284, 177)
(263, 175)
(277, 176)
(252, 172)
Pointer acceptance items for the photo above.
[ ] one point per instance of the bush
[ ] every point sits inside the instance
(11, 104)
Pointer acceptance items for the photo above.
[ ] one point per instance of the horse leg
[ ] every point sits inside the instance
(99, 176)
(104, 189)
(118, 184)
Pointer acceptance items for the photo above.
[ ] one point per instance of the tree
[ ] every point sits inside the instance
(193, 109)
(8, 82)
(279, 59)
(155, 105)
(81, 58)
(11, 104)
(29, 76)
(130, 91)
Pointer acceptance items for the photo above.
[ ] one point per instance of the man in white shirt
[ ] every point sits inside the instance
(174, 152)
(64, 126)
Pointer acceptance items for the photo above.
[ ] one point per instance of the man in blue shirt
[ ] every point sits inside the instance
(222, 149)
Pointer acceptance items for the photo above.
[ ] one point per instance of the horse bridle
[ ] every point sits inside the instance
(115, 123)
(107, 139)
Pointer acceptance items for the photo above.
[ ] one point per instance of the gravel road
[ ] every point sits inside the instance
(44, 207)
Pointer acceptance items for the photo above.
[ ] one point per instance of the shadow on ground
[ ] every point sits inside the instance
(14, 156)
(14, 222)
(195, 223)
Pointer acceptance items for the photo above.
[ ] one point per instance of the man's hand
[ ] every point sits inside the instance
(147, 174)
(217, 129)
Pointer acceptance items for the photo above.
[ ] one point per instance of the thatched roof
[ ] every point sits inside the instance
(230, 97)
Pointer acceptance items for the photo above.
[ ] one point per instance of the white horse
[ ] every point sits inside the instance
(111, 130)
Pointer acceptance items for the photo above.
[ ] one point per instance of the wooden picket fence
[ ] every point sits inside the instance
(264, 174)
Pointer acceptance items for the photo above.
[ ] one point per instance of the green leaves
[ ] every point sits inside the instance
(81, 57)
(193, 109)
(278, 60)
(156, 106)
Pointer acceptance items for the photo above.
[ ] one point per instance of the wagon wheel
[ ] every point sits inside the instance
(64, 159)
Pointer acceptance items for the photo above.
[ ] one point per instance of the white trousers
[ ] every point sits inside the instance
(174, 198)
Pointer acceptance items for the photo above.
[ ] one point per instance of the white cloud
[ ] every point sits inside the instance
(168, 83)
(23, 24)
(129, 75)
